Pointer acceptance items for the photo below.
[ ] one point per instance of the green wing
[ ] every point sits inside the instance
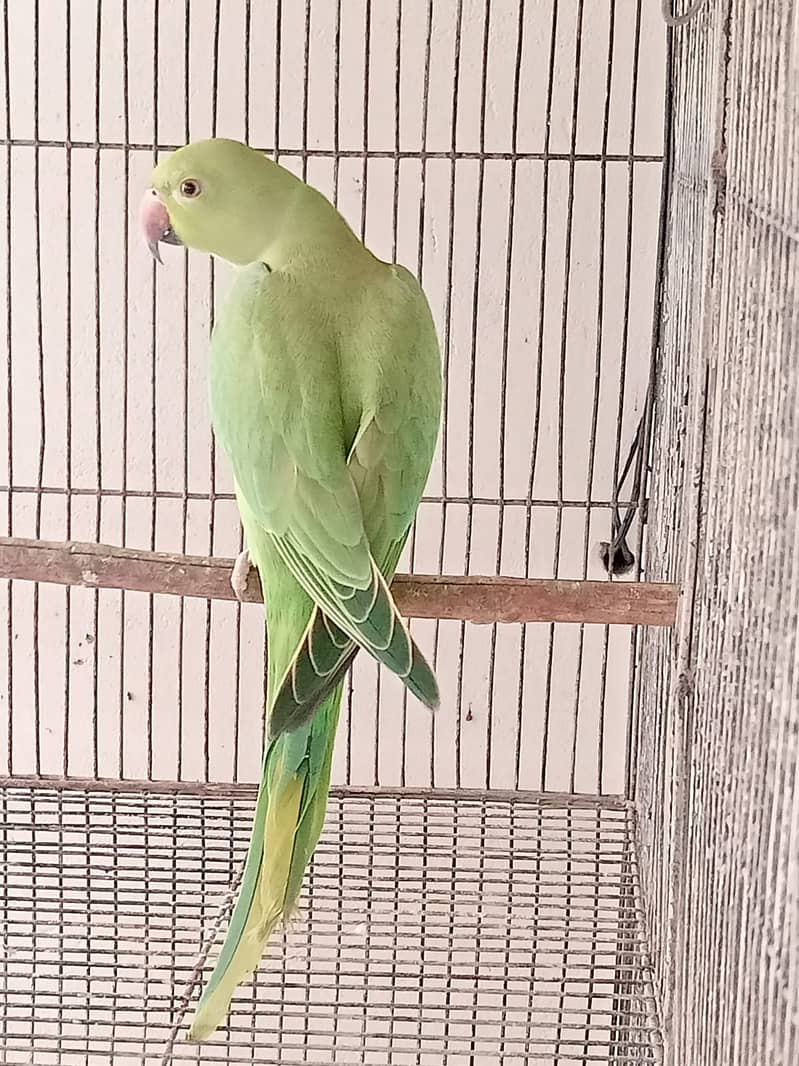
(320, 662)
(337, 510)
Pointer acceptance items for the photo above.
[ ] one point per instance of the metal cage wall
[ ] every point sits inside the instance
(716, 786)
(476, 897)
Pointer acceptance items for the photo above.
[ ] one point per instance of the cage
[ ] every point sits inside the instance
(590, 853)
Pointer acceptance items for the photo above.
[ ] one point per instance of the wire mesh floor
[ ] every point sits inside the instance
(434, 930)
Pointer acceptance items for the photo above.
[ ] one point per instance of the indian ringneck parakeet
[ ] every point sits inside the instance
(325, 394)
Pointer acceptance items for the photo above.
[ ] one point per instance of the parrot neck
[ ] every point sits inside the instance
(312, 235)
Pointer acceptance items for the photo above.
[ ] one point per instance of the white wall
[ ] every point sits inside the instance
(115, 363)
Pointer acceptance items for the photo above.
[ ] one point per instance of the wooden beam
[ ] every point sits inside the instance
(469, 599)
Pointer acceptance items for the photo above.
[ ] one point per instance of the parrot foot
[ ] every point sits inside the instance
(240, 574)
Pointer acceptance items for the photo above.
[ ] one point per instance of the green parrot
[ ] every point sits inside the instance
(325, 394)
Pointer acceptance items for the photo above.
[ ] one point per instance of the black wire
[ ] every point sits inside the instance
(616, 555)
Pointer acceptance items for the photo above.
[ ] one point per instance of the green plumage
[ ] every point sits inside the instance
(325, 395)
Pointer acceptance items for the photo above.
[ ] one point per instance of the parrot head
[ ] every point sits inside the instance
(216, 196)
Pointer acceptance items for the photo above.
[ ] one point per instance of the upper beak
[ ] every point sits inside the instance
(155, 224)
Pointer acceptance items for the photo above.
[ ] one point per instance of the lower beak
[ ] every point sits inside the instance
(155, 224)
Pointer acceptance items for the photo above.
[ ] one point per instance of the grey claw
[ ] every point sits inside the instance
(240, 574)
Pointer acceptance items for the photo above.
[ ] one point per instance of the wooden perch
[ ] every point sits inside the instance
(469, 599)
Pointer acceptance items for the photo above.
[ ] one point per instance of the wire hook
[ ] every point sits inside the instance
(673, 20)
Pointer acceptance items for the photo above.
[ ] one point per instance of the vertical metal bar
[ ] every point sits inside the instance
(513, 834)
(37, 222)
(628, 276)
(154, 422)
(212, 449)
(453, 883)
(394, 243)
(126, 375)
(595, 926)
(61, 866)
(514, 144)
(340, 836)
(68, 386)
(347, 695)
(537, 412)
(424, 914)
(97, 389)
(305, 89)
(537, 849)
(184, 512)
(336, 104)
(367, 70)
(312, 908)
(481, 881)
(247, 67)
(564, 326)
(445, 369)
(278, 44)
(9, 621)
(397, 116)
(568, 890)
(237, 665)
(504, 383)
(367, 61)
(631, 164)
(559, 519)
(420, 276)
(371, 804)
(9, 397)
(478, 250)
(600, 323)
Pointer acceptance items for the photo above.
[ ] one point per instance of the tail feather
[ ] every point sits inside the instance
(320, 661)
(289, 814)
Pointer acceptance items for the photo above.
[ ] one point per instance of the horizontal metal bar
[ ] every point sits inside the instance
(242, 790)
(100, 492)
(481, 600)
(345, 153)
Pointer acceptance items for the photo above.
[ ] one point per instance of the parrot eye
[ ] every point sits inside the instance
(190, 188)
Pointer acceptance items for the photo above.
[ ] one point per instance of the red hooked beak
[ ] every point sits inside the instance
(155, 224)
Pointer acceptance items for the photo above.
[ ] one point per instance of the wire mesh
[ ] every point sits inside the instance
(716, 779)
(436, 929)
(509, 153)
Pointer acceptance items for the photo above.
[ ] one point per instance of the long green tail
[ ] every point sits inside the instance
(289, 813)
